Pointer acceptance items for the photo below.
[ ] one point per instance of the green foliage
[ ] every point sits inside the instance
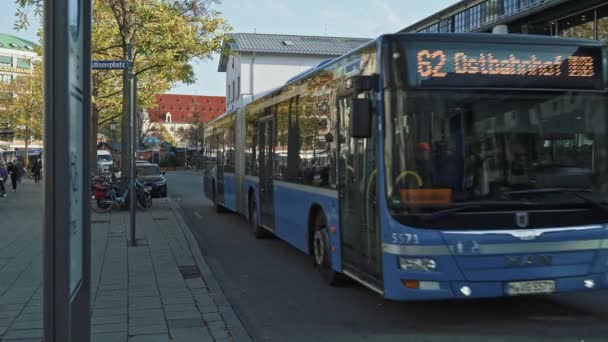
(168, 161)
(165, 36)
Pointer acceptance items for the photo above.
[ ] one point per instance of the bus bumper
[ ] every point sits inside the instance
(437, 290)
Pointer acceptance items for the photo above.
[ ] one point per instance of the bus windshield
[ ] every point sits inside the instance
(447, 148)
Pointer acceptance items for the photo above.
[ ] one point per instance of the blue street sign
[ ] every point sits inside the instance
(109, 65)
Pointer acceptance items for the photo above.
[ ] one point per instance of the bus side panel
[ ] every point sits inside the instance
(292, 203)
(230, 191)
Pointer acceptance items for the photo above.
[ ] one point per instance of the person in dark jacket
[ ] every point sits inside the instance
(3, 177)
(37, 170)
(13, 172)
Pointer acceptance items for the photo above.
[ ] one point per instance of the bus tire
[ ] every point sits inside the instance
(321, 252)
(254, 220)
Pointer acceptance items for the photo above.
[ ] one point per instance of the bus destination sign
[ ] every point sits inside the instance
(507, 66)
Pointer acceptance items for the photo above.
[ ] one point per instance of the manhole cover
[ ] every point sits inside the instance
(190, 271)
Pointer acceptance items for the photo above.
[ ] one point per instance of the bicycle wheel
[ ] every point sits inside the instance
(101, 205)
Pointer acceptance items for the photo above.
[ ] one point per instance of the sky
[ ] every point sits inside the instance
(342, 18)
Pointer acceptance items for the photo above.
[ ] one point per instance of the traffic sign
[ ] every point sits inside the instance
(109, 65)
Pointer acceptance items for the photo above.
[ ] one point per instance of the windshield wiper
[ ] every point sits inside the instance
(580, 193)
(474, 205)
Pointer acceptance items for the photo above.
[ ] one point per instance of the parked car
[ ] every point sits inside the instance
(105, 163)
(152, 178)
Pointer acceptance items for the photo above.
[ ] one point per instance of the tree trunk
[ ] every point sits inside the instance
(93, 137)
(27, 151)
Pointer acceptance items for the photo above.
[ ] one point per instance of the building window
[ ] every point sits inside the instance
(238, 91)
(6, 78)
(23, 63)
(511, 6)
(459, 25)
(232, 62)
(446, 25)
(168, 117)
(601, 30)
(6, 61)
(578, 26)
(228, 95)
(233, 91)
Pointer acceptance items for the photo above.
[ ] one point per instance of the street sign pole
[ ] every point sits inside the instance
(67, 108)
(133, 149)
(125, 162)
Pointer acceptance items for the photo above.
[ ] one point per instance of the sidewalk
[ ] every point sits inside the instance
(160, 290)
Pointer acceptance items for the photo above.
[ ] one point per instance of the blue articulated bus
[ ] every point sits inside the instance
(431, 166)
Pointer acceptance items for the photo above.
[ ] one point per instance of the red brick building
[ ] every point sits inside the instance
(180, 108)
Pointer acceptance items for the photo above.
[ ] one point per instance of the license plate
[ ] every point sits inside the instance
(530, 287)
(148, 188)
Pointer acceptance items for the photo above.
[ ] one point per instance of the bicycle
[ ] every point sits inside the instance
(106, 196)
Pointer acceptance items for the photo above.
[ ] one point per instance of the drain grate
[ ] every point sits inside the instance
(190, 271)
(160, 218)
(99, 221)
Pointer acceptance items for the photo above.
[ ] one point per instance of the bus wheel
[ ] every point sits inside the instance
(254, 221)
(321, 253)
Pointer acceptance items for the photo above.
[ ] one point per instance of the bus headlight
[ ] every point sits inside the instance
(418, 264)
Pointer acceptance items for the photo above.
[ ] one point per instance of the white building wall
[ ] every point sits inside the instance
(232, 76)
(269, 72)
(31, 55)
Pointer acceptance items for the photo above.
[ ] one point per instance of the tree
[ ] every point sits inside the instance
(24, 107)
(193, 134)
(161, 133)
(145, 126)
(165, 36)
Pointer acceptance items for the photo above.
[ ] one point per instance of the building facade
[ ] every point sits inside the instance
(256, 63)
(175, 111)
(567, 18)
(17, 58)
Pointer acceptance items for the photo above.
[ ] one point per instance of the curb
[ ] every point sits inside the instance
(233, 323)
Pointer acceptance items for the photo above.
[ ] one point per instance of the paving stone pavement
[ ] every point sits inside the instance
(160, 290)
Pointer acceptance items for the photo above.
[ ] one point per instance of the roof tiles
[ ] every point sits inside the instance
(291, 44)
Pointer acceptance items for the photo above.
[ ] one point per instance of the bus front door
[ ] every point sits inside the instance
(357, 195)
(266, 141)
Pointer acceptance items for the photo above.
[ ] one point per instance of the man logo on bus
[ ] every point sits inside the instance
(522, 220)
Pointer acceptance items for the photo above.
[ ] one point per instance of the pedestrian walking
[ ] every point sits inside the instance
(3, 178)
(37, 170)
(13, 172)
(21, 172)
